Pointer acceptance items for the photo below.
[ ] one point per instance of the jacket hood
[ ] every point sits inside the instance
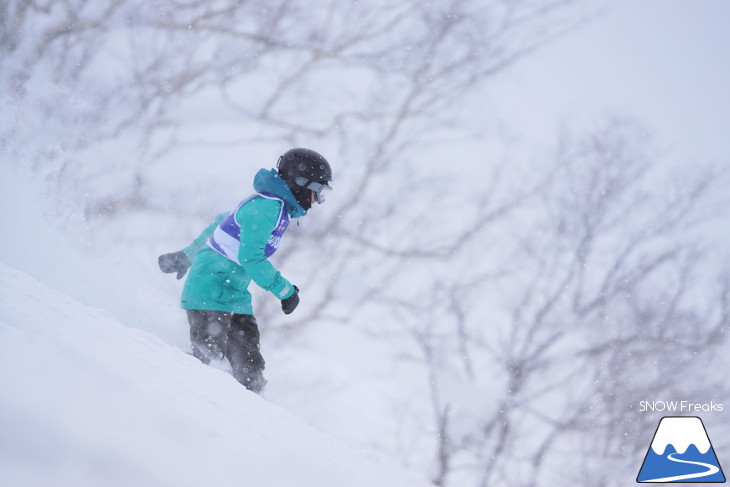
(269, 181)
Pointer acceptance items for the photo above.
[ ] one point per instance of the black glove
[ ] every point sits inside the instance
(174, 262)
(289, 304)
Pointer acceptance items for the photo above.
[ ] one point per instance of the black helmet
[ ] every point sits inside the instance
(305, 170)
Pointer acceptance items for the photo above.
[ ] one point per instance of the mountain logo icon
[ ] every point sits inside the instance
(681, 452)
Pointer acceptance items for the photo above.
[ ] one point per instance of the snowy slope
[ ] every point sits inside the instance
(86, 401)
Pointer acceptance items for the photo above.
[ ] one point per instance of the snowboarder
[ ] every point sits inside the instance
(234, 250)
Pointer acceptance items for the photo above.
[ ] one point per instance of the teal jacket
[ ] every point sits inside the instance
(218, 284)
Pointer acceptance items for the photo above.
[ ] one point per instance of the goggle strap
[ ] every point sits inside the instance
(302, 181)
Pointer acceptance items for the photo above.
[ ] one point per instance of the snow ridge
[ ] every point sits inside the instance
(86, 401)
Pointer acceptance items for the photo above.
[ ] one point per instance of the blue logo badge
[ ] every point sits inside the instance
(681, 452)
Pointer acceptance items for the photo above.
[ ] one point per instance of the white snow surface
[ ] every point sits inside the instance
(88, 401)
(680, 432)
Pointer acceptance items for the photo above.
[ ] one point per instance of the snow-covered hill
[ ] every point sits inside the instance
(87, 401)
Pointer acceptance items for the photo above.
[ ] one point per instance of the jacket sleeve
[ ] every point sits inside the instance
(257, 220)
(201, 239)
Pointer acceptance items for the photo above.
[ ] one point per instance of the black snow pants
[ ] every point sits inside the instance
(216, 334)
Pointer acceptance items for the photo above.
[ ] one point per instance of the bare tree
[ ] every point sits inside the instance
(593, 312)
(371, 80)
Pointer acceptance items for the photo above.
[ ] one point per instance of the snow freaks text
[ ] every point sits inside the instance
(680, 407)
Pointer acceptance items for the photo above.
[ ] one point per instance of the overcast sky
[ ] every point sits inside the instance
(664, 62)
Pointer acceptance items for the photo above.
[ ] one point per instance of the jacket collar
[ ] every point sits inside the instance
(269, 181)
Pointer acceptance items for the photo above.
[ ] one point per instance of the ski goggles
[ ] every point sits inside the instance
(320, 189)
